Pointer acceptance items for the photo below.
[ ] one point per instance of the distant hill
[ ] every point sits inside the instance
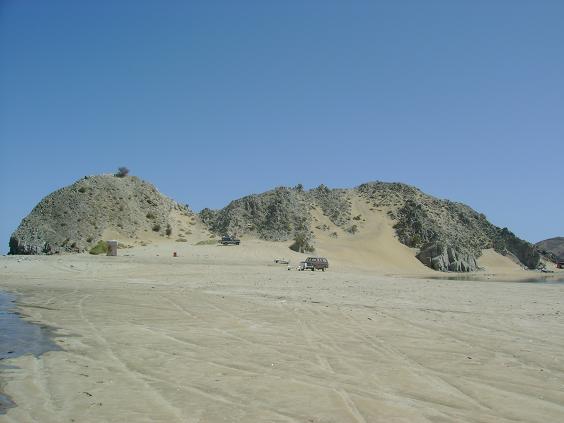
(74, 218)
(364, 224)
(552, 245)
(449, 236)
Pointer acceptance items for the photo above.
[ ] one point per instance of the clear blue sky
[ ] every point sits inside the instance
(212, 100)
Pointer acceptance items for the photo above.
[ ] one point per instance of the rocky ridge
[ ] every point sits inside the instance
(447, 236)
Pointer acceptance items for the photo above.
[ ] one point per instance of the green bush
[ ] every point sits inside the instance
(301, 243)
(100, 248)
(353, 229)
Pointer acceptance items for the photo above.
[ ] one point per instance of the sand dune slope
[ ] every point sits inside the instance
(374, 247)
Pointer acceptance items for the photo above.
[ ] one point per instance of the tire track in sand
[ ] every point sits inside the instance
(133, 374)
(340, 390)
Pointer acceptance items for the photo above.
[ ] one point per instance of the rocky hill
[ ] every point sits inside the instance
(552, 246)
(74, 218)
(442, 234)
(448, 236)
(278, 214)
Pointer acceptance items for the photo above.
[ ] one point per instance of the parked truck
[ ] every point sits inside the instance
(229, 240)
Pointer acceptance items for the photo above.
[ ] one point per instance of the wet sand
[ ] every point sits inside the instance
(211, 337)
(19, 337)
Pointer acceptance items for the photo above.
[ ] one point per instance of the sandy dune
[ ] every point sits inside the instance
(223, 334)
(374, 247)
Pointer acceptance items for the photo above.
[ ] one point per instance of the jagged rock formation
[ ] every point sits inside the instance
(552, 247)
(442, 256)
(74, 218)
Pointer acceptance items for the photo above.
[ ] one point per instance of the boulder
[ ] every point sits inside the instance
(446, 258)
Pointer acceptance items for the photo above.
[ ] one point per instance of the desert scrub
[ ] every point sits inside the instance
(156, 227)
(302, 243)
(353, 229)
(181, 240)
(100, 248)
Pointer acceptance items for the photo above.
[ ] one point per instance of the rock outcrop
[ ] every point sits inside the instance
(444, 257)
(74, 218)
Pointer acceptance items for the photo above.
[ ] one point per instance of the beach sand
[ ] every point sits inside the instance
(222, 334)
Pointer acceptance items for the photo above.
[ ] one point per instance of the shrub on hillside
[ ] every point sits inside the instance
(122, 172)
(353, 229)
(100, 248)
(301, 243)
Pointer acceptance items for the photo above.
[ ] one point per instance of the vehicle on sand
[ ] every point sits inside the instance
(229, 240)
(314, 263)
